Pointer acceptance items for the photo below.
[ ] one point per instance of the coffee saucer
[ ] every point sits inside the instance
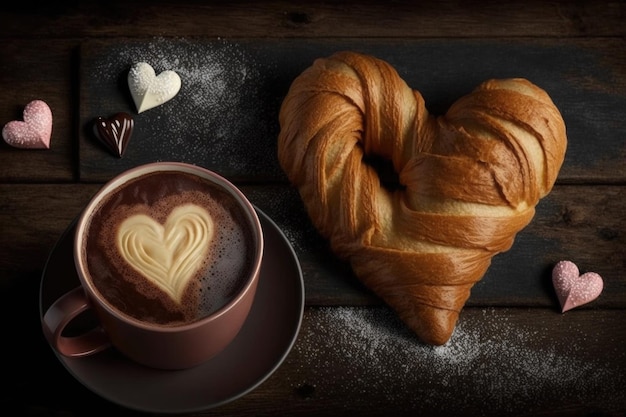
(261, 346)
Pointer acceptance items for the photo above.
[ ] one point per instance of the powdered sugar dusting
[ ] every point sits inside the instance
(283, 205)
(216, 119)
(521, 370)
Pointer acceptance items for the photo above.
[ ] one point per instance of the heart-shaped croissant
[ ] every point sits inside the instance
(469, 180)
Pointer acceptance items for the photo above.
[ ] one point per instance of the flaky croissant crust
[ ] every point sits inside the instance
(470, 179)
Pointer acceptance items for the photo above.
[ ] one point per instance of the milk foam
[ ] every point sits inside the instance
(168, 255)
(222, 270)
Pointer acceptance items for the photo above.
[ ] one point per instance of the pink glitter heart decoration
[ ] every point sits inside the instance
(34, 132)
(573, 289)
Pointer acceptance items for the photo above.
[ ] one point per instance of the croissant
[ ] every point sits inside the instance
(468, 181)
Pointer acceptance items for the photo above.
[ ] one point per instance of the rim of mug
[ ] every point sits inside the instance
(136, 172)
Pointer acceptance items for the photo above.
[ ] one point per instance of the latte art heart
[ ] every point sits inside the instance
(167, 255)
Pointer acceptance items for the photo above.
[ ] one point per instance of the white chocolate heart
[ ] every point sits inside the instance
(148, 89)
(167, 255)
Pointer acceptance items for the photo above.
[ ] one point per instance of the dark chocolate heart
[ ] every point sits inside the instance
(114, 132)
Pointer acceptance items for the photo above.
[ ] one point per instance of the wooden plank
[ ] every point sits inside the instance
(226, 114)
(566, 226)
(404, 18)
(363, 360)
(49, 74)
(33, 217)
(498, 362)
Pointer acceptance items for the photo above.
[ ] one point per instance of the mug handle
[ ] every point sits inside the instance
(60, 314)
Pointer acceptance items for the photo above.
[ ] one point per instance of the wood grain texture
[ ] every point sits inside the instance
(362, 360)
(314, 19)
(34, 74)
(566, 226)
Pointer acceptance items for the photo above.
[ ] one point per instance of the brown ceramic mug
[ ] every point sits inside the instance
(168, 256)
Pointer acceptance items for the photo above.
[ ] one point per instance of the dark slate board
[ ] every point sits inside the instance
(226, 115)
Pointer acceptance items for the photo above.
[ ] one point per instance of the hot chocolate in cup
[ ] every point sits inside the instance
(168, 256)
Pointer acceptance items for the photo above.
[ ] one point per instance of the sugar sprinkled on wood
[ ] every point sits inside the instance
(493, 365)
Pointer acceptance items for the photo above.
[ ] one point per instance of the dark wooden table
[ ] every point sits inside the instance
(513, 352)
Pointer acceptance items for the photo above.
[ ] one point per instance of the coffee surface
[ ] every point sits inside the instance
(169, 248)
